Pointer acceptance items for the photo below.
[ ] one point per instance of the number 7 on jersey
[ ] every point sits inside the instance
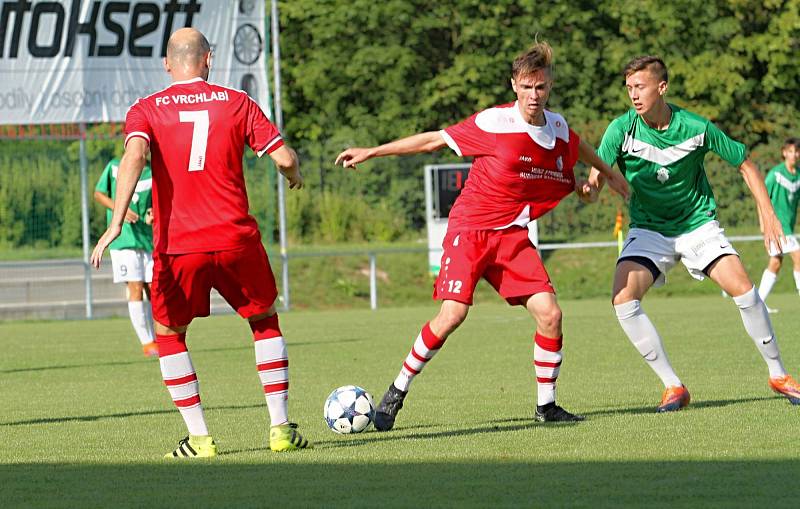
(197, 157)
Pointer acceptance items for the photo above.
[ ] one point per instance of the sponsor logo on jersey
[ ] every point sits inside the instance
(526, 159)
(541, 173)
(662, 174)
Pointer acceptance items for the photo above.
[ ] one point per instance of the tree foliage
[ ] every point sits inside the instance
(359, 73)
(362, 73)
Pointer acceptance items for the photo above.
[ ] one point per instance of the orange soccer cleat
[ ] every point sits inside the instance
(674, 398)
(150, 349)
(786, 386)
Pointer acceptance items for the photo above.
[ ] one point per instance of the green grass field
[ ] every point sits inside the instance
(85, 420)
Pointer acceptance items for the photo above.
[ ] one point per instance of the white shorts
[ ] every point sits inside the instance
(786, 247)
(696, 249)
(132, 265)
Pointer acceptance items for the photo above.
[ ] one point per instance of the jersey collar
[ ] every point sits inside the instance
(185, 82)
(542, 135)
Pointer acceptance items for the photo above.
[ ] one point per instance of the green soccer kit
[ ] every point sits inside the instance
(134, 235)
(670, 193)
(783, 187)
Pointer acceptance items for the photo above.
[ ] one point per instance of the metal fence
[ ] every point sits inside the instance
(37, 289)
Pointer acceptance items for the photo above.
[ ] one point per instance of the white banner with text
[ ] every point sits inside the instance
(74, 61)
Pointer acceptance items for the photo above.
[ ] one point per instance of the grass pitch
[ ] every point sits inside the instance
(85, 420)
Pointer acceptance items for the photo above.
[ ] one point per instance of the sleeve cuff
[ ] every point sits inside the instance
(451, 142)
(274, 144)
(137, 134)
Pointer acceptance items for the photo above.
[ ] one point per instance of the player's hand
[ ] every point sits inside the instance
(131, 216)
(295, 179)
(108, 237)
(586, 192)
(773, 233)
(618, 184)
(148, 216)
(352, 156)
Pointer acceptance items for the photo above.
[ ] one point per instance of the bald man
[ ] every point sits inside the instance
(204, 236)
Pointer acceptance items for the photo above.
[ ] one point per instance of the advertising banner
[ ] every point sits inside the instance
(74, 61)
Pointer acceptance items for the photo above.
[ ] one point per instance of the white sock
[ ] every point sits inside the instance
(148, 315)
(138, 314)
(767, 282)
(757, 324)
(642, 333)
(797, 280)
(181, 381)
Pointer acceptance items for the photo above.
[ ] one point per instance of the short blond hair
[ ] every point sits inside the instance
(537, 57)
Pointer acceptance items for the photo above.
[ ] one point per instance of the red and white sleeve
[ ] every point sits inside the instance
(467, 139)
(136, 123)
(262, 135)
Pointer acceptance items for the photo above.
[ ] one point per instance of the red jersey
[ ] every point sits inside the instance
(520, 172)
(197, 132)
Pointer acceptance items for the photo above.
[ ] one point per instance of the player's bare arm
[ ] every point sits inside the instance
(587, 155)
(430, 141)
(130, 169)
(768, 221)
(288, 164)
(106, 201)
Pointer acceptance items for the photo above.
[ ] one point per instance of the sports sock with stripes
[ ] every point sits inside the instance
(758, 326)
(181, 381)
(425, 347)
(547, 363)
(272, 362)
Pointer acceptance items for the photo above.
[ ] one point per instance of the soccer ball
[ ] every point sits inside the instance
(349, 409)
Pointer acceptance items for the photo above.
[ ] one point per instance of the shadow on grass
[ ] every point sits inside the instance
(121, 415)
(249, 346)
(375, 437)
(292, 480)
(641, 410)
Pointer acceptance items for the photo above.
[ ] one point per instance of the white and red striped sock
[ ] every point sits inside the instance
(547, 364)
(272, 362)
(425, 347)
(181, 381)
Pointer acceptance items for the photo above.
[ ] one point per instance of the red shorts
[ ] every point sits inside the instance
(182, 283)
(505, 258)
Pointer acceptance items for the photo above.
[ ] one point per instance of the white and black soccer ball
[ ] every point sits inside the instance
(349, 409)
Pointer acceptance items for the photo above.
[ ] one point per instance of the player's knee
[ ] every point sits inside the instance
(550, 318)
(623, 296)
(135, 290)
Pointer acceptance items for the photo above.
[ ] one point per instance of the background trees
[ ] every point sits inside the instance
(359, 72)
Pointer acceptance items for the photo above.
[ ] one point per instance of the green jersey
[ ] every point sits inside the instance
(783, 187)
(670, 193)
(134, 235)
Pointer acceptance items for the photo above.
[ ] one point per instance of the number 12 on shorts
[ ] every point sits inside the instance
(197, 156)
(454, 286)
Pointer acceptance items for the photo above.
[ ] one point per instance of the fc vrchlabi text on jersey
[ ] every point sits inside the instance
(40, 26)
